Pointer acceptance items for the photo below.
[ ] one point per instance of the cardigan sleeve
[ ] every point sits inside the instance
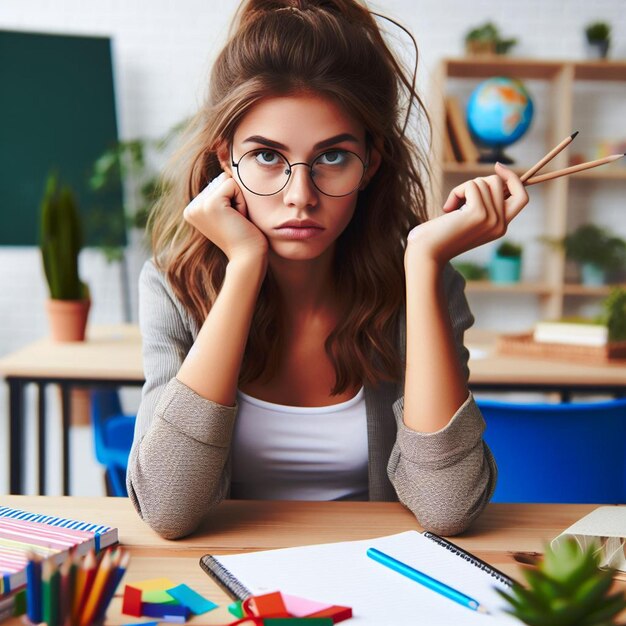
(178, 466)
(445, 478)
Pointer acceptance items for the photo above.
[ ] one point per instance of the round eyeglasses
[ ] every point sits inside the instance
(265, 172)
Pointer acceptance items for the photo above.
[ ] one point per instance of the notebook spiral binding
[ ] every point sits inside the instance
(224, 578)
(474, 560)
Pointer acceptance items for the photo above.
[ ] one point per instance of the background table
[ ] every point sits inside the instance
(247, 525)
(112, 356)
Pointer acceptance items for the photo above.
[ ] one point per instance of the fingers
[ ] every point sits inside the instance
(519, 195)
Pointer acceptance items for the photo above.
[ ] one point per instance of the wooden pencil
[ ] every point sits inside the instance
(546, 159)
(571, 170)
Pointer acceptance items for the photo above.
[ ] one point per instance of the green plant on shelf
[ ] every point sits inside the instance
(486, 39)
(598, 31)
(614, 314)
(471, 271)
(509, 249)
(568, 589)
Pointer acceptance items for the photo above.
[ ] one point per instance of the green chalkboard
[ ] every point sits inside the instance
(57, 112)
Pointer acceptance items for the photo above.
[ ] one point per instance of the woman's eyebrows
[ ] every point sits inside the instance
(270, 143)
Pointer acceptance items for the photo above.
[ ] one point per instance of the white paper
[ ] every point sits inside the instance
(604, 527)
(343, 574)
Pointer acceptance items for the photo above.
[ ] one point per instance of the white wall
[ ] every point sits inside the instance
(162, 53)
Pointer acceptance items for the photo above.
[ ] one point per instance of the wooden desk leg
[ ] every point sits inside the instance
(66, 411)
(16, 436)
(41, 432)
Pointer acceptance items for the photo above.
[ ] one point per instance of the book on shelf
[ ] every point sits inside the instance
(460, 138)
(572, 333)
(23, 533)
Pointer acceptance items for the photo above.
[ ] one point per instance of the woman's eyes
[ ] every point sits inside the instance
(267, 157)
(333, 157)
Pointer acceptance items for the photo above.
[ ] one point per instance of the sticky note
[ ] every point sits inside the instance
(301, 607)
(295, 621)
(336, 613)
(158, 596)
(142, 624)
(131, 605)
(150, 609)
(270, 604)
(186, 595)
(159, 584)
(236, 609)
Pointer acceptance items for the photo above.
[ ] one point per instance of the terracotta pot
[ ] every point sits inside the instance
(68, 319)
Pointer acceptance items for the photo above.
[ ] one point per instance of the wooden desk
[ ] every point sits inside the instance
(243, 526)
(112, 356)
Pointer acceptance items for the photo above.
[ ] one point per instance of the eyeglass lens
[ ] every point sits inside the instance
(335, 173)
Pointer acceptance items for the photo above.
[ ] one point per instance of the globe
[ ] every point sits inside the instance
(499, 112)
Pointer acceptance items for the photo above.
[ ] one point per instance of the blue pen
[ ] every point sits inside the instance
(424, 579)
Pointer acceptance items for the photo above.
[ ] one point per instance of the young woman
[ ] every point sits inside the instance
(302, 326)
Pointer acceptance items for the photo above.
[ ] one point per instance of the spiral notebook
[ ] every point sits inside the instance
(342, 574)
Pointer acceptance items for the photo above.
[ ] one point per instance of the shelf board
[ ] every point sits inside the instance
(600, 70)
(491, 65)
(486, 286)
(485, 66)
(587, 290)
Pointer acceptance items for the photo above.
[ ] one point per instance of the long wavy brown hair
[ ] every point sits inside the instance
(334, 48)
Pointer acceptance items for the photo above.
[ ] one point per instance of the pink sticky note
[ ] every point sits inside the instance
(301, 607)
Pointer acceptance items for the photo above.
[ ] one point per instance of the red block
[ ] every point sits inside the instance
(132, 601)
(267, 605)
(336, 613)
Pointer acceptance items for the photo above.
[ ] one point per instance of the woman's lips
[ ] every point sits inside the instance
(299, 232)
(299, 229)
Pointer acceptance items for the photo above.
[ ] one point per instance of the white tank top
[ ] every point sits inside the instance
(300, 453)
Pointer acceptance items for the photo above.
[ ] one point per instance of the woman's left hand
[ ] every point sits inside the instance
(484, 217)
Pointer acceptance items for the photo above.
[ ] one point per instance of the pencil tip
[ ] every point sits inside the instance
(574, 134)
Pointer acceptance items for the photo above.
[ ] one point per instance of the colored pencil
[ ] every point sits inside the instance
(97, 589)
(33, 588)
(423, 579)
(84, 579)
(114, 581)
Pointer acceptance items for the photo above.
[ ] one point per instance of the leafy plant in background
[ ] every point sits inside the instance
(598, 31)
(486, 38)
(61, 241)
(567, 589)
(128, 163)
(614, 314)
(470, 271)
(593, 244)
(509, 249)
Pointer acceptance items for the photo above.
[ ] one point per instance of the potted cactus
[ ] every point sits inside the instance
(60, 243)
(568, 589)
(598, 35)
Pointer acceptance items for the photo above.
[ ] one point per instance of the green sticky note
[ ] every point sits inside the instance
(297, 621)
(158, 596)
(236, 609)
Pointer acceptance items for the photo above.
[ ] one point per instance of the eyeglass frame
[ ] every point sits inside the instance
(365, 165)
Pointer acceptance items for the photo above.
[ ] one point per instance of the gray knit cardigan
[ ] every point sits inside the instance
(179, 466)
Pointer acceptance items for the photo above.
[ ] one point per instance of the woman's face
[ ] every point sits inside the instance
(299, 221)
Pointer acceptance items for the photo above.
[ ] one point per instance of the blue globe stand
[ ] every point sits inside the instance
(496, 153)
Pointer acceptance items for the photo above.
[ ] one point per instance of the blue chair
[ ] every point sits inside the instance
(113, 437)
(558, 452)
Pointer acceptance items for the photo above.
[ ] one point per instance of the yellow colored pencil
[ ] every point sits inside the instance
(97, 589)
(84, 576)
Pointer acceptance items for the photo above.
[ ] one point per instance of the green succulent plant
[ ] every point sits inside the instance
(614, 314)
(598, 31)
(567, 589)
(60, 242)
(509, 249)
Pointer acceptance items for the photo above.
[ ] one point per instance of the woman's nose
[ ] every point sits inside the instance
(300, 190)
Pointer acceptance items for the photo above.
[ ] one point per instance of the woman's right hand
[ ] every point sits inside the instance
(219, 212)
